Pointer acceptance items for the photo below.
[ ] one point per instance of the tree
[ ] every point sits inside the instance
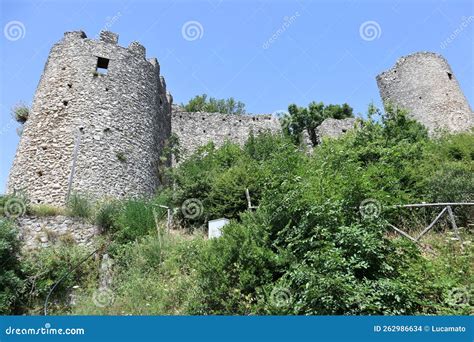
(201, 103)
(300, 119)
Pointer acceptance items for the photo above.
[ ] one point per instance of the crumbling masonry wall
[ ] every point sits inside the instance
(99, 129)
(197, 129)
(334, 128)
(424, 84)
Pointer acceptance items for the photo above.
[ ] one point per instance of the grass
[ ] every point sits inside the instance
(153, 276)
(44, 210)
(106, 214)
(79, 206)
(121, 157)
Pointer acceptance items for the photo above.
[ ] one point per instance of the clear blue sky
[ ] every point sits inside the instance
(319, 54)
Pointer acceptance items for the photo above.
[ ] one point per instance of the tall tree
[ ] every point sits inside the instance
(300, 119)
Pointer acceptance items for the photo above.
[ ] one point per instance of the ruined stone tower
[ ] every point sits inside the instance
(97, 124)
(424, 84)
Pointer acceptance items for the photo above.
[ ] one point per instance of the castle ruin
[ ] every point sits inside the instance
(424, 84)
(197, 129)
(100, 119)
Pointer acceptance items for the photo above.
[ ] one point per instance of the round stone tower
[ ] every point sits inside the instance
(97, 125)
(424, 84)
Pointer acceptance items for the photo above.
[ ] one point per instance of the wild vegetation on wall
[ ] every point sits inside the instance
(311, 247)
(203, 103)
(300, 119)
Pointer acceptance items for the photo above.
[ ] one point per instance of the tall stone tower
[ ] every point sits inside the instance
(98, 122)
(424, 84)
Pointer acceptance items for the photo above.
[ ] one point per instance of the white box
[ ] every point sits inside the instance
(215, 227)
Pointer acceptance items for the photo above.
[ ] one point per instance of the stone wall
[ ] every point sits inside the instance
(38, 232)
(198, 129)
(102, 129)
(334, 128)
(424, 84)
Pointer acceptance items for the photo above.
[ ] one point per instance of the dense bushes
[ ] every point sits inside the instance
(308, 249)
(45, 267)
(11, 280)
(25, 282)
(153, 275)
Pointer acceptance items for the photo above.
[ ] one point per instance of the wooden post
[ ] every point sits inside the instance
(455, 227)
(403, 233)
(433, 205)
(249, 203)
(431, 224)
(169, 220)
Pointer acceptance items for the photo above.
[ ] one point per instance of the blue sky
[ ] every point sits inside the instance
(267, 54)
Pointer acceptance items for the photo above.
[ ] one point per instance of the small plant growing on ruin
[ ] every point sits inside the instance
(43, 210)
(21, 112)
(51, 235)
(121, 157)
(67, 239)
(79, 206)
(201, 103)
(105, 215)
(95, 73)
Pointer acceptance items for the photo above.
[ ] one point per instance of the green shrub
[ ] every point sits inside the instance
(106, 214)
(44, 267)
(201, 103)
(11, 279)
(218, 178)
(308, 249)
(21, 112)
(79, 206)
(232, 270)
(134, 220)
